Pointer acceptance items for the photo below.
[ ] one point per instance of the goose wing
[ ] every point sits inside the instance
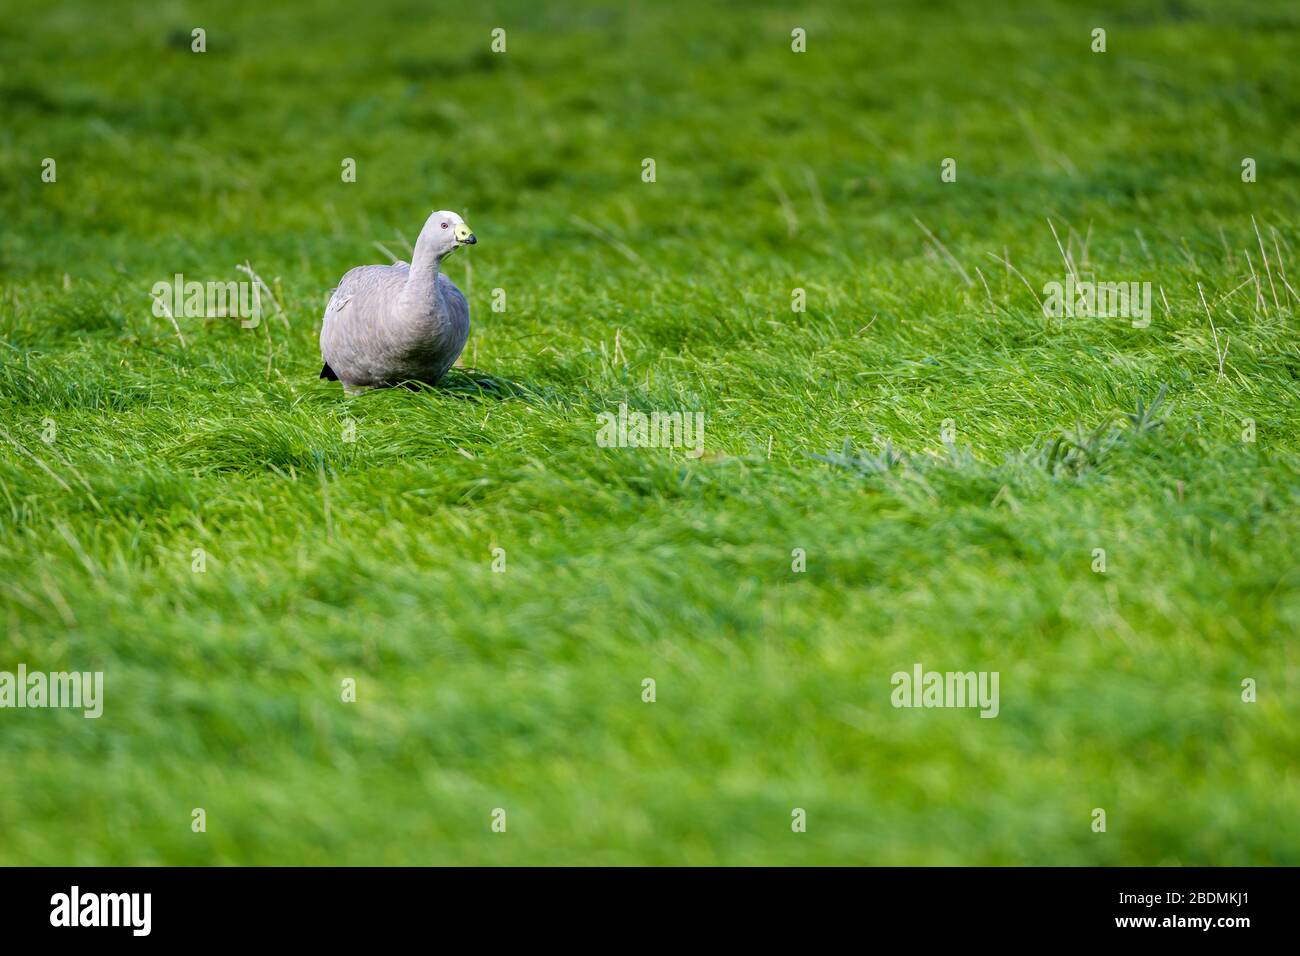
(359, 286)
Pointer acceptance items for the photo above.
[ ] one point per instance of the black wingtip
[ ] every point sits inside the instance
(328, 373)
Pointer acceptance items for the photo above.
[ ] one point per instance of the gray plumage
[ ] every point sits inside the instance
(385, 325)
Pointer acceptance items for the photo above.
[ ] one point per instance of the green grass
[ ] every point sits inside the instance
(372, 559)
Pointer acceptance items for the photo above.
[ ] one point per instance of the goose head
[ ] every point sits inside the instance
(447, 232)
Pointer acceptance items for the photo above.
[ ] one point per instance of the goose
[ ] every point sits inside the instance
(385, 325)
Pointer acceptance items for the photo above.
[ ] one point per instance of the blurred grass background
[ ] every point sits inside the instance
(371, 560)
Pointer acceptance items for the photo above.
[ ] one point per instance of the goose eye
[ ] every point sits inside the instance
(444, 225)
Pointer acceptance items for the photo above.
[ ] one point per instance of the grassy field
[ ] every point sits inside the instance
(974, 452)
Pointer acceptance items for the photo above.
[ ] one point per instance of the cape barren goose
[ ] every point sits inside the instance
(401, 323)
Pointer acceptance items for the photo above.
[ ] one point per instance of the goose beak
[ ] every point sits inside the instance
(464, 236)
